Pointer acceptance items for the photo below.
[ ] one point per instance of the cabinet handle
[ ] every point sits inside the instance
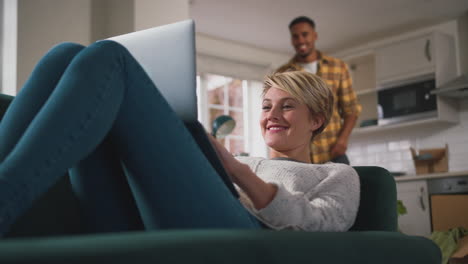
(421, 199)
(428, 50)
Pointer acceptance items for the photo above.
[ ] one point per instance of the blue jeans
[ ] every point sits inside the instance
(133, 162)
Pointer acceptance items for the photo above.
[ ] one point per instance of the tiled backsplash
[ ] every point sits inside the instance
(392, 150)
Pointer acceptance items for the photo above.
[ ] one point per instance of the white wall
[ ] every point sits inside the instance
(9, 46)
(151, 13)
(236, 51)
(44, 23)
(111, 18)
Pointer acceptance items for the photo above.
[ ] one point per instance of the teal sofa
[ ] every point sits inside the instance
(52, 231)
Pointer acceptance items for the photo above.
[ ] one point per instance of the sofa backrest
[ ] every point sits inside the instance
(378, 205)
(5, 101)
(56, 213)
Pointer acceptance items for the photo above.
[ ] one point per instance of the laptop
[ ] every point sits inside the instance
(167, 54)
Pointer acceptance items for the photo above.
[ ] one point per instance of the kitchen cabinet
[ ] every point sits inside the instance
(415, 198)
(398, 62)
(432, 53)
(362, 70)
(415, 192)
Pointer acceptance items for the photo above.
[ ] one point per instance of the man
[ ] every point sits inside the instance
(332, 143)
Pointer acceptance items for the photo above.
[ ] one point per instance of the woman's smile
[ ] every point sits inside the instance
(276, 128)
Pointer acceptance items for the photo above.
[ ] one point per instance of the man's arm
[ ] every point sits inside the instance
(350, 112)
(341, 144)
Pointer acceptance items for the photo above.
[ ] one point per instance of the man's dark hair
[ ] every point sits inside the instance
(302, 19)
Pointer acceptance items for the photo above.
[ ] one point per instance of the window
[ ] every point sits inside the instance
(240, 99)
(225, 96)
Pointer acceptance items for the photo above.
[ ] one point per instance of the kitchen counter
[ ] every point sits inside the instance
(431, 176)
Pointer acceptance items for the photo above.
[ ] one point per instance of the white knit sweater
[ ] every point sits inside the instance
(310, 197)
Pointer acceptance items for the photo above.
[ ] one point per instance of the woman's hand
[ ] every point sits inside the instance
(231, 165)
(260, 192)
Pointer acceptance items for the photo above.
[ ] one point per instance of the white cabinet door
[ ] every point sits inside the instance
(362, 70)
(405, 59)
(414, 196)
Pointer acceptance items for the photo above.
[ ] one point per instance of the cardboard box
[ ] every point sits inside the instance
(430, 160)
(449, 211)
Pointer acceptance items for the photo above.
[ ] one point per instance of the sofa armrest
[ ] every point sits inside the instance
(224, 246)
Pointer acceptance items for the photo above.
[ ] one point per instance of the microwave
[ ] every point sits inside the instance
(406, 101)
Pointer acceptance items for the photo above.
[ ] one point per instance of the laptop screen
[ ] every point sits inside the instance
(167, 54)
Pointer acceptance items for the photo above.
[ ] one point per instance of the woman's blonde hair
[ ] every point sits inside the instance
(307, 88)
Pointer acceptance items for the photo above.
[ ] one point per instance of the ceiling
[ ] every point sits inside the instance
(340, 23)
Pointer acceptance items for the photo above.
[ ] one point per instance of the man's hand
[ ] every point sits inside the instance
(339, 148)
(341, 144)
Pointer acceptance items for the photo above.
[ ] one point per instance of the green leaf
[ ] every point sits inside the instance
(401, 209)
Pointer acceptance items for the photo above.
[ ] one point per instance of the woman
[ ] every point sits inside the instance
(134, 164)
(291, 192)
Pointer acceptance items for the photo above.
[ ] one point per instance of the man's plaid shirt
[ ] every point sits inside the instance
(335, 73)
